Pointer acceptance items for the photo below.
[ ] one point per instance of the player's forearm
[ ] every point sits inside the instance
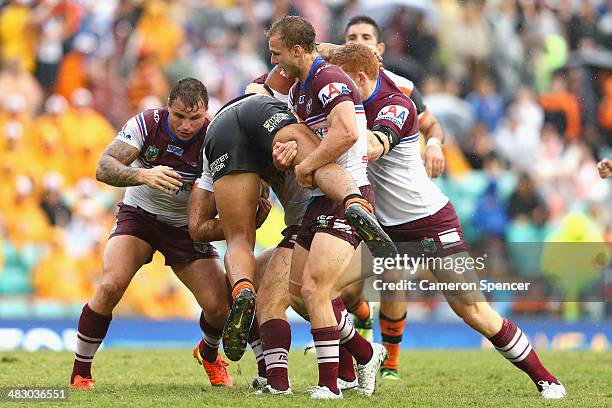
(376, 149)
(335, 144)
(114, 173)
(432, 128)
(207, 231)
(327, 50)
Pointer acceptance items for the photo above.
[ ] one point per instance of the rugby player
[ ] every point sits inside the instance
(392, 315)
(413, 210)
(327, 101)
(156, 155)
(238, 149)
(364, 30)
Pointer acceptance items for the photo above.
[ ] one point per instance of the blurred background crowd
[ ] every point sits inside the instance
(523, 89)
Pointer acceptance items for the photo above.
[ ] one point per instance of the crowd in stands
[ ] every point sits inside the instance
(523, 89)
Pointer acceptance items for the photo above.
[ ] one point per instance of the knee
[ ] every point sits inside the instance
(297, 303)
(313, 291)
(217, 309)
(110, 291)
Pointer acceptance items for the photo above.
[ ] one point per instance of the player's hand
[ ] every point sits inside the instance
(283, 155)
(263, 209)
(256, 88)
(162, 178)
(304, 176)
(379, 57)
(434, 160)
(605, 168)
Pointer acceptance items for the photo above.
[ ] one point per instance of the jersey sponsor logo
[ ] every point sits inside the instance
(156, 116)
(185, 187)
(151, 153)
(428, 244)
(275, 120)
(331, 91)
(320, 132)
(175, 150)
(218, 164)
(200, 246)
(394, 113)
(124, 135)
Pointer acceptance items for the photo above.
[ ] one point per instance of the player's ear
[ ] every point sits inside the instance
(362, 78)
(296, 50)
(380, 47)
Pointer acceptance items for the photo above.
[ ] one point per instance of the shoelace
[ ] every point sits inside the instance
(546, 385)
(218, 370)
(85, 381)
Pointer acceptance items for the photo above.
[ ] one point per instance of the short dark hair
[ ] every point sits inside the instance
(294, 30)
(191, 91)
(364, 20)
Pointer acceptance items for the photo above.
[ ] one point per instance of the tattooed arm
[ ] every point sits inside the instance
(114, 169)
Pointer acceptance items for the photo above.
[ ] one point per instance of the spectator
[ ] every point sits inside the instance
(561, 108)
(73, 71)
(146, 79)
(490, 216)
(17, 39)
(52, 203)
(58, 276)
(14, 78)
(89, 133)
(488, 106)
(526, 205)
(157, 33)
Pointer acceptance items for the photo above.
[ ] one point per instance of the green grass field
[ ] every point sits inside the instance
(163, 377)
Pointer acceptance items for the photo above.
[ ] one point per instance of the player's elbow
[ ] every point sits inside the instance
(194, 232)
(100, 173)
(351, 136)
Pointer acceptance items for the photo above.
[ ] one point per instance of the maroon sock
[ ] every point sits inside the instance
(276, 341)
(346, 369)
(211, 338)
(359, 347)
(514, 345)
(90, 333)
(255, 342)
(326, 341)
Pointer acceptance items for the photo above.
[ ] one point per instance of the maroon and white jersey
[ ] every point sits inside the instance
(402, 189)
(149, 132)
(312, 101)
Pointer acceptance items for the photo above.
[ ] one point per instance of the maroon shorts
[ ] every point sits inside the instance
(173, 242)
(437, 235)
(326, 216)
(289, 236)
